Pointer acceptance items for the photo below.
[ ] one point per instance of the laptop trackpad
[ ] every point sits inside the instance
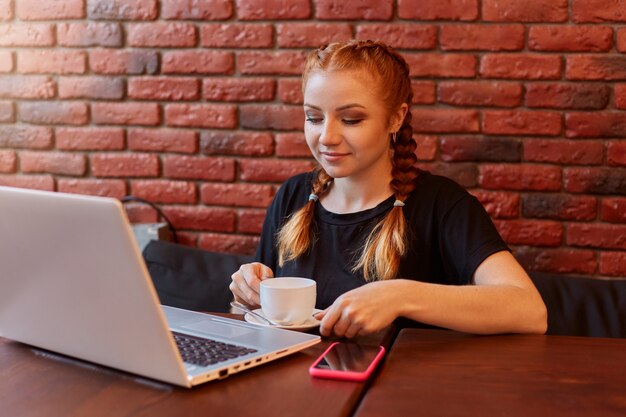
(211, 327)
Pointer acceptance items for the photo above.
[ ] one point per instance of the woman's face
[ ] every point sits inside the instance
(347, 126)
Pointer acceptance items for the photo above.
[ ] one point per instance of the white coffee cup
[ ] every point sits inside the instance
(288, 300)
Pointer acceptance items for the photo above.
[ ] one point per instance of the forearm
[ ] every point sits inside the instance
(479, 309)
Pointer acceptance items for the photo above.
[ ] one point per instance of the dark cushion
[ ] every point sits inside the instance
(191, 278)
(579, 306)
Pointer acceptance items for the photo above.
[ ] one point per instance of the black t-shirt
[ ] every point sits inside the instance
(449, 232)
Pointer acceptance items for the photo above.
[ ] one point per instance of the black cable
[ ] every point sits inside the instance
(132, 198)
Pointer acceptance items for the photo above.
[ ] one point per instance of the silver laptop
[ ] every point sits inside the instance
(72, 281)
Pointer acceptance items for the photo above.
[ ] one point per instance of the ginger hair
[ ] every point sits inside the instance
(386, 244)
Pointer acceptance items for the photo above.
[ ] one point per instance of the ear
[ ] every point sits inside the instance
(398, 117)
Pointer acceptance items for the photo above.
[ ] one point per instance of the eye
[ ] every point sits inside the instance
(352, 122)
(313, 120)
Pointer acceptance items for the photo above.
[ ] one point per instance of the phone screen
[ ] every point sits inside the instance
(348, 357)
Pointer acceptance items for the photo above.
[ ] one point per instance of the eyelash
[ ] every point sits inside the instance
(349, 122)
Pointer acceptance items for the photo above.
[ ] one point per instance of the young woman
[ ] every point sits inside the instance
(383, 239)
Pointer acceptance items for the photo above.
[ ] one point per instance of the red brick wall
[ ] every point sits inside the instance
(195, 105)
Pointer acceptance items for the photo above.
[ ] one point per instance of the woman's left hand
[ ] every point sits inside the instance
(367, 309)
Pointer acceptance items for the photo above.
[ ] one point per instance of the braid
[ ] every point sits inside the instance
(296, 236)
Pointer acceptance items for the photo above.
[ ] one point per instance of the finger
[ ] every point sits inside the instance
(352, 330)
(341, 325)
(331, 315)
(265, 271)
(320, 314)
(243, 291)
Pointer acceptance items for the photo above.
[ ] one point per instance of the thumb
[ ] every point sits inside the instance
(266, 272)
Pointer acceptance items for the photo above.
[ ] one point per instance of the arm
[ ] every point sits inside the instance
(502, 300)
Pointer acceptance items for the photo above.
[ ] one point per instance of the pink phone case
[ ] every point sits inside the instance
(345, 375)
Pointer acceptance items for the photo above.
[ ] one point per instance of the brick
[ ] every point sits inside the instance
(6, 61)
(401, 36)
(234, 35)
(196, 10)
(27, 86)
(561, 151)
(427, 120)
(8, 162)
(530, 232)
(595, 67)
(570, 38)
(620, 96)
(616, 153)
(449, 65)
(92, 87)
(164, 191)
(271, 170)
(438, 9)
(28, 137)
(499, 204)
(562, 261)
(89, 139)
(598, 11)
(279, 63)
(238, 195)
(35, 182)
(89, 34)
(236, 143)
(125, 113)
(311, 35)
(7, 112)
(162, 34)
(51, 61)
(559, 206)
(124, 165)
(225, 243)
(271, 117)
(520, 177)
(613, 264)
(250, 221)
(198, 168)
(201, 218)
(187, 238)
(595, 180)
(201, 115)
(238, 89)
(361, 10)
(53, 162)
(621, 40)
(290, 90)
(608, 236)
(521, 66)
(141, 213)
(469, 37)
(426, 147)
(465, 174)
(48, 112)
(595, 124)
(101, 188)
(613, 209)
(505, 122)
(107, 61)
(26, 34)
(528, 11)
(580, 96)
(197, 62)
(273, 9)
(163, 140)
(472, 148)
(424, 92)
(6, 10)
(122, 9)
(163, 88)
(480, 93)
(291, 145)
(50, 9)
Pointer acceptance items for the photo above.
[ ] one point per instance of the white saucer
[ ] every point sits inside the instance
(309, 324)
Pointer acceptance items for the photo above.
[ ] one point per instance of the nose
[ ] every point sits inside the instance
(331, 133)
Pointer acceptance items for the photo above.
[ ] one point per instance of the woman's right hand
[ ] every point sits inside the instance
(245, 284)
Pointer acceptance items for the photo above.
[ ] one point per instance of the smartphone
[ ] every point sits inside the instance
(347, 361)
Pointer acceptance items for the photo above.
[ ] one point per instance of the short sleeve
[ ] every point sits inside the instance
(467, 238)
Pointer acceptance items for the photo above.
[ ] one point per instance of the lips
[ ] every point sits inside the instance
(333, 156)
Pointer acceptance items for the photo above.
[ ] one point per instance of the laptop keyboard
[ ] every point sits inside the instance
(205, 352)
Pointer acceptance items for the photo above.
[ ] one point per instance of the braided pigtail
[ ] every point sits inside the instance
(296, 236)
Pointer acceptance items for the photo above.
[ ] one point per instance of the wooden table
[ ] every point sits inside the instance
(444, 373)
(38, 383)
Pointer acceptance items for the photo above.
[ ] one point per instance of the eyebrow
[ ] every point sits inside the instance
(344, 107)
